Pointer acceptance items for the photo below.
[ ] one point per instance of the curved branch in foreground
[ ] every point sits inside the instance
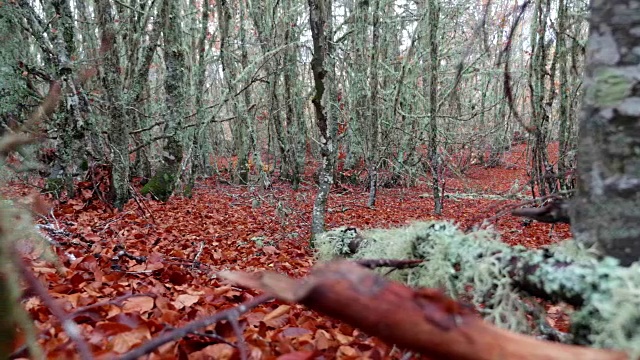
(425, 321)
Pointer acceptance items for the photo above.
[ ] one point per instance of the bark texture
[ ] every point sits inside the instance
(606, 210)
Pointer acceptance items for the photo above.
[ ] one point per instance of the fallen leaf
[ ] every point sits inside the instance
(298, 355)
(281, 310)
(138, 303)
(123, 342)
(185, 300)
(214, 352)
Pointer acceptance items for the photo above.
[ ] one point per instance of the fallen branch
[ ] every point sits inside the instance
(556, 211)
(424, 320)
(396, 264)
(70, 327)
(501, 279)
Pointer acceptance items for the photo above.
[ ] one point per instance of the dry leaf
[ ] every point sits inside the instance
(281, 310)
(140, 304)
(185, 300)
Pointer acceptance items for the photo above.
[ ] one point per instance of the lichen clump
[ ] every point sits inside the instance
(478, 267)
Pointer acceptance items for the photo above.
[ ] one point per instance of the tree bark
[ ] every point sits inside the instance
(119, 126)
(606, 209)
(433, 9)
(319, 15)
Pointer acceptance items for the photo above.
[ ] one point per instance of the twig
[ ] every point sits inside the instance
(507, 208)
(141, 205)
(70, 327)
(174, 335)
(196, 263)
(397, 264)
(117, 301)
(122, 252)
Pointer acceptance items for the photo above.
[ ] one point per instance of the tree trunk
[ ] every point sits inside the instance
(296, 128)
(606, 210)
(240, 130)
(198, 163)
(434, 157)
(119, 126)
(374, 121)
(319, 15)
(163, 183)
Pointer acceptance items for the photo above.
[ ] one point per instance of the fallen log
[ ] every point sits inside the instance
(505, 281)
(423, 320)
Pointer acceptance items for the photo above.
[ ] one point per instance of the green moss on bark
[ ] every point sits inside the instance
(161, 185)
(54, 186)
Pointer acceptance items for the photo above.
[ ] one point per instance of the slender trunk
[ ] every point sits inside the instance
(319, 19)
(434, 158)
(374, 121)
(197, 153)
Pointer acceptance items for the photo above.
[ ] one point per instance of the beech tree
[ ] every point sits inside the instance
(321, 32)
(606, 208)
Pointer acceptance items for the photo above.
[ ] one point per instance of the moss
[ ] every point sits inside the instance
(161, 185)
(479, 267)
(54, 186)
(188, 191)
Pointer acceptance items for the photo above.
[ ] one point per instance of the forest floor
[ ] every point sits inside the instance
(185, 242)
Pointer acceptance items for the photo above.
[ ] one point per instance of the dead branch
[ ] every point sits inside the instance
(393, 263)
(556, 211)
(70, 327)
(425, 321)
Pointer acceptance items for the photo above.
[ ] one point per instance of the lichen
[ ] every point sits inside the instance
(478, 267)
(610, 88)
(54, 186)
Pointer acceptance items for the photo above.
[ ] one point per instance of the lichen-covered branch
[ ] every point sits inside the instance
(490, 273)
(425, 321)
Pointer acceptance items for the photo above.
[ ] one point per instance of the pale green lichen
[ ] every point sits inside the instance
(610, 88)
(478, 267)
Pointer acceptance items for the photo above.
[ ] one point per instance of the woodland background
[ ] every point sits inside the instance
(177, 139)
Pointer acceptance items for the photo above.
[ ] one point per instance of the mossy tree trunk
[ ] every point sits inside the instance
(606, 209)
(240, 125)
(198, 158)
(542, 90)
(433, 68)
(251, 127)
(295, 124)
(565, 111)
(119, 124)
(163, 182)
(321, 32)
(141, 47)
(266, 25)
(71, 155)
(401, 107)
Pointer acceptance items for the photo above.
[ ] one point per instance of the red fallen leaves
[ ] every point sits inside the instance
(177, 281)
